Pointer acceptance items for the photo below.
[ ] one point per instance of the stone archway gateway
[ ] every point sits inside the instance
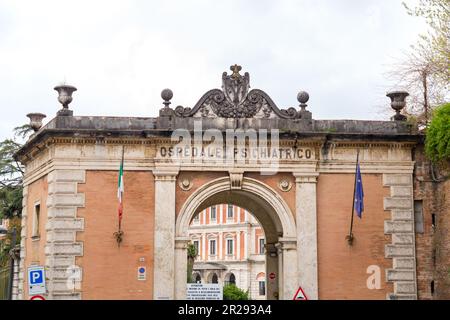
(294, 173)
(275, 217)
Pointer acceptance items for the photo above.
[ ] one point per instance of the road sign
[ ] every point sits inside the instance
(37, 297)
(142, 273)
(36, 280)
(300, 295)
(204, 291)
(272, 276)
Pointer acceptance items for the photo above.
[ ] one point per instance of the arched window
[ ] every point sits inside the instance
(232, 279)
(261, 278)
(214, 279)
(198, 279)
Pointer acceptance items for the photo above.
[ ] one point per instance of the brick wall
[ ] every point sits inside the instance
(103, 260)
(35, 246)
(343, 269)
(433, 245)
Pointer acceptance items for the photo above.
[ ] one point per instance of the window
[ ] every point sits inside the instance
(229, 246)
(418, 216)
(433, 221)
(230, 211)
(231, 280)
(37, 213)
(196, 246)
(213, 214)
(198, 279)
(214, 279)
(212, 247)
(262, 288)
(261, 245)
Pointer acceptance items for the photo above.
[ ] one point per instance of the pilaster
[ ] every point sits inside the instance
(63, 275)
(181, 244)
(287, 253)
(306, 220)
(22, 243)
(401, 228)
(164, 265)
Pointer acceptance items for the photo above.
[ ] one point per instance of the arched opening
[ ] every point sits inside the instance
(229, 242)
(215, 279)
(197, 278)
(231, 279)
(272, 213)
(261, 281)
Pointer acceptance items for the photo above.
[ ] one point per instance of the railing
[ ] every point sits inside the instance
(4, 283)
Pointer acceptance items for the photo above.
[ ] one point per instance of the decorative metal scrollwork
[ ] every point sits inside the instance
(235, 101)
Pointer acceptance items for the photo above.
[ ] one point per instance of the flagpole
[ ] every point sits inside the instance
(349, 237)
(119, 233)
(121, 163)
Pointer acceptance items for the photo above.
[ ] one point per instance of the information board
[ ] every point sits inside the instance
(204, 291)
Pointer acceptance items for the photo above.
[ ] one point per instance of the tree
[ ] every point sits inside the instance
(437, 16)
(191, 255)
(232, 292)
(11, 175)
(417, 73)
(11, 178)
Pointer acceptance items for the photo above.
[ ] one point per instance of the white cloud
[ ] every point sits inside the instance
(121, 54)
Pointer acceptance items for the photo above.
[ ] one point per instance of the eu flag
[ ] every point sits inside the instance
(359, 193)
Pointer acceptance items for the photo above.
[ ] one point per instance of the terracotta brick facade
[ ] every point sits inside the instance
(343, 268)
(110, 271)
(35, 243)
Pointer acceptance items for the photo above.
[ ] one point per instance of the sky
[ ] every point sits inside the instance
(121, 54)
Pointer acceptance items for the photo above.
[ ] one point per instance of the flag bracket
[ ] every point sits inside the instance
(349, 239)
(119, 237)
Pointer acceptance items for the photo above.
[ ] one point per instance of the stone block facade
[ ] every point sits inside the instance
(62, 226)
(401, 228)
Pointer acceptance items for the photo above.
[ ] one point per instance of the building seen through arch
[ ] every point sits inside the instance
(230, 246)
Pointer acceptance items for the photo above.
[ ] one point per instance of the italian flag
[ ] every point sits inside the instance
(120, 191)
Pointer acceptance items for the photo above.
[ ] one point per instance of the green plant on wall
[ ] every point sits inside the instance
(191, 255)
(437, 142)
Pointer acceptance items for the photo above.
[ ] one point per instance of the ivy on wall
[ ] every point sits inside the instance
(437, 141)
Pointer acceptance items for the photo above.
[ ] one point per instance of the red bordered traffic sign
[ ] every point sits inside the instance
(37, 297)
(300, 295)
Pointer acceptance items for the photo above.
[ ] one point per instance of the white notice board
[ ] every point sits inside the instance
(204, 291)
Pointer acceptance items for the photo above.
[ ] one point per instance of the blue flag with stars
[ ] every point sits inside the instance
(359, 193)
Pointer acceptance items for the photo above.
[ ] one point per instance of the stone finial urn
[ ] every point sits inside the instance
(398, 102)
(36, 120)
(166, 95)
(65, 98)
(303, 98)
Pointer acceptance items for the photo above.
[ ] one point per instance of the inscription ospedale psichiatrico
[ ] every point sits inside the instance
(235, 153)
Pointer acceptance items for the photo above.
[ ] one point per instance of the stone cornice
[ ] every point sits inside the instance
(115, 130)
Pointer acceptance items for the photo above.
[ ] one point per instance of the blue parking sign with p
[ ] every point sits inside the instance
(36, 280)
(36, 276)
